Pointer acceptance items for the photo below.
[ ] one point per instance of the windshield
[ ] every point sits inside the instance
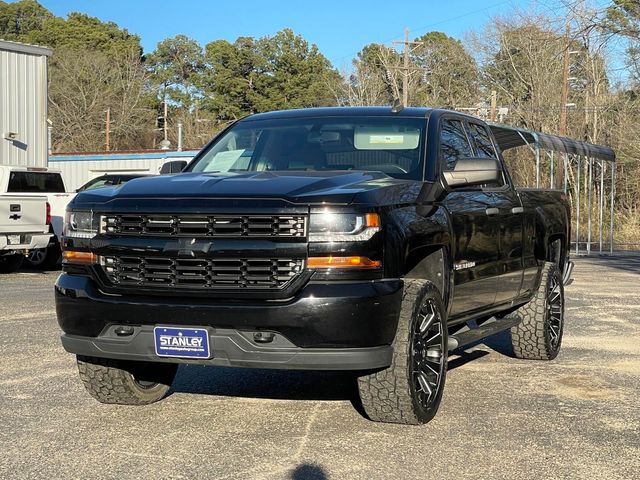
(391, 145)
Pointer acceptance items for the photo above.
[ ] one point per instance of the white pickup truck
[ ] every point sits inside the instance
(39, 182)
(24, 226)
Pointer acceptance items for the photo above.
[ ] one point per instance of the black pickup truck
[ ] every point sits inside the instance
(363, 239)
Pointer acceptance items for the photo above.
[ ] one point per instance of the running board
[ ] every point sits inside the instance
(485, 330)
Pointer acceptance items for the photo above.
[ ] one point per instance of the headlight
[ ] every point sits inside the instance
(342, 227)
(80, 225)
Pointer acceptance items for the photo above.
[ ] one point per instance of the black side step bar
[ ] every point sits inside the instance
(470, 335)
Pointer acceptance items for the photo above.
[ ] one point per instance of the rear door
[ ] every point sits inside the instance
(510, 217)
(475, 228)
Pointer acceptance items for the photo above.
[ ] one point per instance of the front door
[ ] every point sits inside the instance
(475, 227)
(509, 214)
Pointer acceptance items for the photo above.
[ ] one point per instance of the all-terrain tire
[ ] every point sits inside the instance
(124, 382)
(390, 395)
(538, 336)
(11, 263)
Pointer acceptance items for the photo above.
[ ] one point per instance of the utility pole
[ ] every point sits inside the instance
(494, 105)
(108, 129)
(165, 119)
(564, 98)
(406, 70)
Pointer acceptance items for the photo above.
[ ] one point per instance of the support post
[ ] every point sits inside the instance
(613, 191)
(552, 183)
(601, 206)
(537, 165)
(179, 136)
(589, 204)
(566, 171)
(578, 206)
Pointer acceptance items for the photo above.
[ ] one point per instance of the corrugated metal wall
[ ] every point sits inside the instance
(23, 104)
(79, 169)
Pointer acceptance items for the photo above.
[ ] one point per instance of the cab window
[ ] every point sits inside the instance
(454, 144)
(482, 139)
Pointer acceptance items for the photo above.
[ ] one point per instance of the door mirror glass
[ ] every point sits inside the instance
(473, 171)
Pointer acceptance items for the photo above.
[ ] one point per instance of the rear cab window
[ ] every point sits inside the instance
(35, 182)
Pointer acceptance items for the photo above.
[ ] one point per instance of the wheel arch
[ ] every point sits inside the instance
(430, 263)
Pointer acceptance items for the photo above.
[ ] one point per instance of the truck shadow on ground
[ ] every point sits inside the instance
(301, 385)
(264, 383)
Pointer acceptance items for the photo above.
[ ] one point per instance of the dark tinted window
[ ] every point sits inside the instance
(453, 144)
(482, 139)
(35, 182)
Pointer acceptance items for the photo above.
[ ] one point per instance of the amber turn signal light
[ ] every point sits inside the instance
(372, 220)
(342, 262)
(71, 256)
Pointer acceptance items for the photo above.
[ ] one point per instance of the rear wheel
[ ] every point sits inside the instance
(11, 263)
(538, 336)
(125, 382)
(410, 390)
(45, 258)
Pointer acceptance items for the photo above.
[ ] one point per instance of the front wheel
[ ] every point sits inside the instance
(125, 382)
(409, 391)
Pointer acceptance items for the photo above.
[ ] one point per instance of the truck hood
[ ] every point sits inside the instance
(333, 187)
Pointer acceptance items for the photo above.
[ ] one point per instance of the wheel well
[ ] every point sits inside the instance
(556, 250)
(429, 263)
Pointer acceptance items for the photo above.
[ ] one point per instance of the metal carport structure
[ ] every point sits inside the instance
(570, 155)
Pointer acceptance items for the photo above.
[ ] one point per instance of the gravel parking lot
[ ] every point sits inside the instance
(575, 417)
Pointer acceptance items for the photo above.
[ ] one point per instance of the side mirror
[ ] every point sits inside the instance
(175, 166)
(473, 171)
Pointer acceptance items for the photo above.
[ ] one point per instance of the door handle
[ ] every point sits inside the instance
(517, 210)
(492, 211)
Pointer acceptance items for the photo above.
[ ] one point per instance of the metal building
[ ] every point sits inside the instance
(23, 104)
(78, 168)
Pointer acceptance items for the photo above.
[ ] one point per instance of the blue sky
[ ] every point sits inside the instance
(340, 28)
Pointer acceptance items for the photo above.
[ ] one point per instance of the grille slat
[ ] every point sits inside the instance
(210, 226)
(201, 274)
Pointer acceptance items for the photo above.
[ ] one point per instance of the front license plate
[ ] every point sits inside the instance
(13, 239)
(181, 342)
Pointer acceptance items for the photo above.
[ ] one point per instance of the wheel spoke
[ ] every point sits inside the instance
(427, 353)
(423, 381)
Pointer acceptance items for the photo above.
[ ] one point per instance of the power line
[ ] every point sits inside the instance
(446, 20)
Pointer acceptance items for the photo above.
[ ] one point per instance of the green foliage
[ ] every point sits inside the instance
(18, 19)
(623, 17)
(175, 67)
(450, 74)
(269, 73)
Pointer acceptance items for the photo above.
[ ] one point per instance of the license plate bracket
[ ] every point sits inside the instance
(179, 342)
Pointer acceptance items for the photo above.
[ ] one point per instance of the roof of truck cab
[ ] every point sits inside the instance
(419, 112)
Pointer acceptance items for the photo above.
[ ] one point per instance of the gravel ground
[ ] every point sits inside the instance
(575, 417)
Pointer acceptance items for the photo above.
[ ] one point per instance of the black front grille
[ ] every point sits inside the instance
(205, 225)
(201, 274)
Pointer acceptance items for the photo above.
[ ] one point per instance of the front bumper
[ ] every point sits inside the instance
(28, 241)
(338, 326)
